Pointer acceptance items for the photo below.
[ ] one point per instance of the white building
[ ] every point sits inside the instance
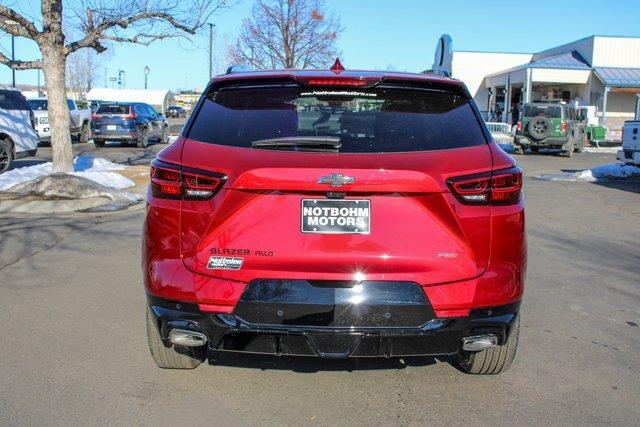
(158, 99)
(602, 71)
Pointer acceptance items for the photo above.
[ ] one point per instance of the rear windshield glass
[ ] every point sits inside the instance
(364, 120)
(113, 109)
(553, 111)
(38, 104)
(13, 100)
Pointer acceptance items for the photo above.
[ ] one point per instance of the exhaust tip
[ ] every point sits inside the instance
(479, 342)
(187, 338)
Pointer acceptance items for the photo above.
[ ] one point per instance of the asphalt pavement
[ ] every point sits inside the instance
(75, 352)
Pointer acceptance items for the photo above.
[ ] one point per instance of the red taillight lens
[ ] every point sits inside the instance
(174, 182)
(501, 187)
(130, 116)
(95, 117)
(337, 82)
(519, 127)
(565, 127)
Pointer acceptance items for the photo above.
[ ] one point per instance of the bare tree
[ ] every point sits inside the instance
(288, 34)
(97, 22)
(83, 70)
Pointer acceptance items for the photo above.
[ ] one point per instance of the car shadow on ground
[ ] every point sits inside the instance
(631, 185)
(304, 364)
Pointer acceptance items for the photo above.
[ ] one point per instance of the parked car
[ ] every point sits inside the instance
(630, 152)
(18, 137)
(79, 125)
(128, 121)
(176, 111)
(551, 125)
(335, 215)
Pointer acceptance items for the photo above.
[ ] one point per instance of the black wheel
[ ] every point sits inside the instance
(143, 138)
(85, 133)
(539, 127)
(98, 142)
(171, 356)
(493, 360)
(6, 155)
(164, 139)
(535, 149)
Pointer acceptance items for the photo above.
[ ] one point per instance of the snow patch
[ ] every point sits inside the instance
(603, 150)
(598, 173)
(92, 168)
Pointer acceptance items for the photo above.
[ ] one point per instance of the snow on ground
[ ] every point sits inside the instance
(607, 150)
(92, 168)
(602, 172)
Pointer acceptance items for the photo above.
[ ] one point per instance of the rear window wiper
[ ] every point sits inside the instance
(300, 143)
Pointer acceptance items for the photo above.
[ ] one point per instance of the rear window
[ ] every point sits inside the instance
(364, 120)
(552, 111)
(112, 109)
(13, 100)
(38, 104)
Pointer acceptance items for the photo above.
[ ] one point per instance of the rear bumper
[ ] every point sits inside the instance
(547, 142)
(437, 336)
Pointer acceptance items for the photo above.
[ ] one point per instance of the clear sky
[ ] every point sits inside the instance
(379, 34)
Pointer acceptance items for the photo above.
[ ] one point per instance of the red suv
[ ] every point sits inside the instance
(335, 214)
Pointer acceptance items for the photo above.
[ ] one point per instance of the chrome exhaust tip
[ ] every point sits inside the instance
(187, 338)
(479, 342)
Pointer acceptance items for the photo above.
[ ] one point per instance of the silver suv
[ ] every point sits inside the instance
(18, 137)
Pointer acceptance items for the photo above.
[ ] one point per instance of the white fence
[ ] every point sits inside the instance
(501, 132)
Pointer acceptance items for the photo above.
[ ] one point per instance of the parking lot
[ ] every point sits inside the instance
(75, 350)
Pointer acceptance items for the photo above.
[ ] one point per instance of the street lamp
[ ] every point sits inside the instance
(211, 49)
(146, 71)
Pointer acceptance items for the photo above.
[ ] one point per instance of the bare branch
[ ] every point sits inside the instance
(17, 25)
(19, 65)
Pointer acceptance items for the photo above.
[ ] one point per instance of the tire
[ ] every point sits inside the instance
(164, 139)
(85, 133)
(493, 360)
(539, 127)
(6, 155)
(143, 138)
(98, 143)
(171, 356)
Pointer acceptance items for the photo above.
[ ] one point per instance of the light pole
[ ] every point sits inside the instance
(211, 50)
(146, 74)
(13, 58)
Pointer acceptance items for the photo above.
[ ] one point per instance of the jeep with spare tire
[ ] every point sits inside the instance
(550, 125)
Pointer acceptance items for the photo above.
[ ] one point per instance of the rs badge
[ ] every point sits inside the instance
(224, 263)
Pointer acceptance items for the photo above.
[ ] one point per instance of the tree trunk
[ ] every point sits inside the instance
(54, 68)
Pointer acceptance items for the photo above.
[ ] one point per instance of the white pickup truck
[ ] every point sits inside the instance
(80, 120)
(630, 152)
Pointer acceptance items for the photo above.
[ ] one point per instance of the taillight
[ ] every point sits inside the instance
(565, 126)
(502, 187)
(130, 116)
(337, 82)
(170, 181)
(95, 117)
(519, 127)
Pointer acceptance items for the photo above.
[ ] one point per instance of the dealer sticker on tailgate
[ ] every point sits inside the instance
(336, 216)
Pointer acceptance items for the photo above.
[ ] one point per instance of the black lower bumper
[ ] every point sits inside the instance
(399, 322)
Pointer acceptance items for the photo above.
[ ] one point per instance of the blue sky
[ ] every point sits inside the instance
(378, 35)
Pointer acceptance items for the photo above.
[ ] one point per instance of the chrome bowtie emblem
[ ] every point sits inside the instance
(336, 180)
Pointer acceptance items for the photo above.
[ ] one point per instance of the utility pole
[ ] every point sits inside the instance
(13, 58)
(38, 70)
(146, 71)
(211, 50)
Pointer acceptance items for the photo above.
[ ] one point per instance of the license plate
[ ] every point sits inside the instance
(111, 127)
(336, 216)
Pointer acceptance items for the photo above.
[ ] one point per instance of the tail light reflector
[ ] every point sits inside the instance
(502, 187)
(565, 127)
(519, 127)
(170, 181)
(130, 116)
(95, 117)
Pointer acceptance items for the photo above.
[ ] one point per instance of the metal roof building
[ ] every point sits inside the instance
(602, 71)
(158, 99)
